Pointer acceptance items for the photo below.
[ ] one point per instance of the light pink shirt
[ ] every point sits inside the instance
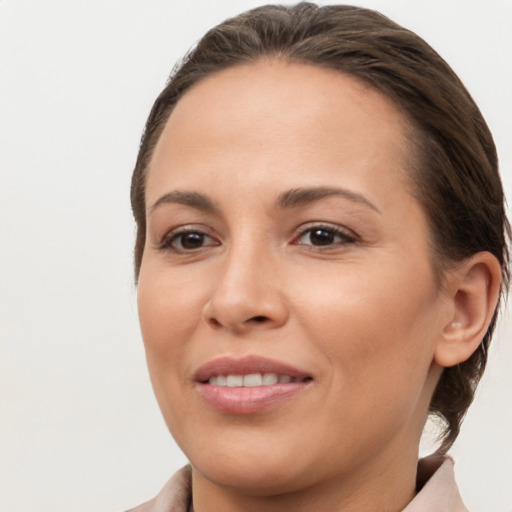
(438, 494)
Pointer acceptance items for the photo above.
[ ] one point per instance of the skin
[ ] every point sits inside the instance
(363, 315)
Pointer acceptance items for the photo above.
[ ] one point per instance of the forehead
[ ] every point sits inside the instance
(302, 116)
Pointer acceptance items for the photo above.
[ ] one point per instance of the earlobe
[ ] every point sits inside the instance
(474, 289)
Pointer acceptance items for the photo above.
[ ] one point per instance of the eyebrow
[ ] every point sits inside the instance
(302, 196)
(192, 199)
(289, 199)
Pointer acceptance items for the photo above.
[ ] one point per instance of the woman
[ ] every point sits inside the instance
(321, 250)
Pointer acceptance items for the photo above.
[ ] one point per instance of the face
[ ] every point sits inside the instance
(287, 299)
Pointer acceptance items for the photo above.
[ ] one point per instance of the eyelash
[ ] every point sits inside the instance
(167, 243)
(333, 232)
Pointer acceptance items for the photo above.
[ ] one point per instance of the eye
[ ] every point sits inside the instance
(187, 241)
(324, 236)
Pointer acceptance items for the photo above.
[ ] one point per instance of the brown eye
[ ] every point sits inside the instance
(187, 241)
(321, 237)
(324, 236)
(190, 240)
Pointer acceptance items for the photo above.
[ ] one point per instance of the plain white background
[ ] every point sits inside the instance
(79, 427)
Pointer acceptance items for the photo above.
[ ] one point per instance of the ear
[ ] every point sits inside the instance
(474, 288)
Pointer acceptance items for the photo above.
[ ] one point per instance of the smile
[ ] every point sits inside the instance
(248, 385)
(252, 380)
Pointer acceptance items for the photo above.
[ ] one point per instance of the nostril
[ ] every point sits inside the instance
(214, 322)
(259, 319)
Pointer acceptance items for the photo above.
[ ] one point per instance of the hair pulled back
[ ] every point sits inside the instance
(455, 170)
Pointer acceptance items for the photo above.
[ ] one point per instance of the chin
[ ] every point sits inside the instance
(255, 478)
(253, 466)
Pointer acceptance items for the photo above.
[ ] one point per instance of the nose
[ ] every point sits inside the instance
(247, 294)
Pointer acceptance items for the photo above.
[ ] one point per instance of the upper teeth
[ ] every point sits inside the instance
(251, 380)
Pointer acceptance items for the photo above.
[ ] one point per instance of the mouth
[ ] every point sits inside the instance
(248, 385)
(253, 380)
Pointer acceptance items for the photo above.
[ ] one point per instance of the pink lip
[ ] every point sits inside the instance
(248, 400)
(245, 366)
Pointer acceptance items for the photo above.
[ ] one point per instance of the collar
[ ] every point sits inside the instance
(437, 487)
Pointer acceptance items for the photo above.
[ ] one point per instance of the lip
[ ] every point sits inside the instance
(248, 400)
(245, 366)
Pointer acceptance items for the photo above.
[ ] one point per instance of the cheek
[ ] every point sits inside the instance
(377, 338)
(372, 322)
(170, 307)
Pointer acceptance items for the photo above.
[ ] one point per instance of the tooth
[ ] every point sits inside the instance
(285, 378)
(213, 381)
(269, 379)
(221, 380)
(235, 381)
(253, 379)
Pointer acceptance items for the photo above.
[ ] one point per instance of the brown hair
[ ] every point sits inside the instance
(455, 174)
